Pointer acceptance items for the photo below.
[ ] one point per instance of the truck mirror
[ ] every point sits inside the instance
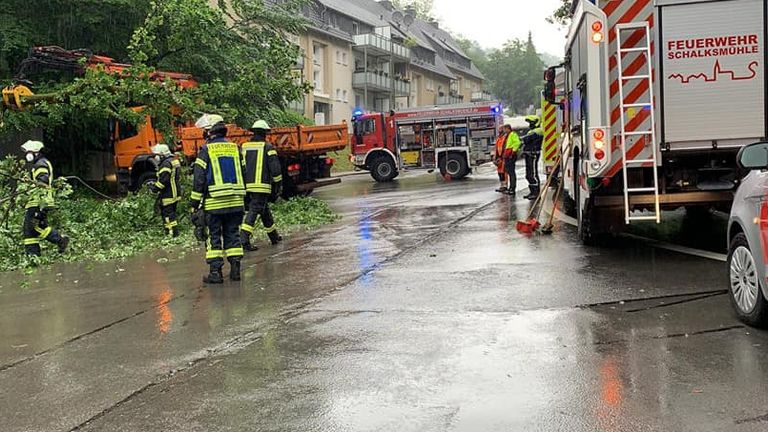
(754, 156)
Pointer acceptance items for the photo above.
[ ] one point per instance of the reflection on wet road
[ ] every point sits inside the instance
(421, 310)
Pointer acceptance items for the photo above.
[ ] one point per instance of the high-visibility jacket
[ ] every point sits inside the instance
(533, 139)
(261, 167)
(218, 178)
(41, 172)
(168, 183)
(512, 145)
(501, 142)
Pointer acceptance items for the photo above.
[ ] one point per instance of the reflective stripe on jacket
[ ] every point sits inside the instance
(261, 167)
(41, 172)
(218, 177)
(169, 181)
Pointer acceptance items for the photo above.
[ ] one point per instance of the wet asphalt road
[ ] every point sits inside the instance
(423, 309)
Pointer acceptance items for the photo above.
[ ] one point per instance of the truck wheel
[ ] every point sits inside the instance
(455, 166)
(144, 181)
(383, 170)
(586, 226)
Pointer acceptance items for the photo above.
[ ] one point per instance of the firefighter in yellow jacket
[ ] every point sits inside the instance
(167, 187)
(263, 177)
(36, 226)
(219, 188)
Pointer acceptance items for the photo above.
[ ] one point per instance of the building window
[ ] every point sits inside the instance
(317, 81)
(429, 84)
(344, 58)
(338, 95)
(338, 56)
(344, 96)
(355, 28)
(467, 85)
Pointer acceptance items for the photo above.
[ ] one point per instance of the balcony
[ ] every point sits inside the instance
(378, 45)
(449, 100)
(375, 81)
(482, 96)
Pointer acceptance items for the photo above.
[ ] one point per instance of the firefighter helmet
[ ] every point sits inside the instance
(533, 120)
(207, 121)
(261, 125)
(161, 149)
(32, 146)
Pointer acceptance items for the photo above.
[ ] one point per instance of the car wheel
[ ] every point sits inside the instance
(746, 293)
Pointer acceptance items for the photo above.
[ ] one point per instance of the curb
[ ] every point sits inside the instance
(348, 174)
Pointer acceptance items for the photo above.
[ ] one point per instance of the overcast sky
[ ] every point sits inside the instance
(493, 22)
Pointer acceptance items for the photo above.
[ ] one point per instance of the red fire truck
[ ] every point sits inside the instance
(451, 138)
(659, 96)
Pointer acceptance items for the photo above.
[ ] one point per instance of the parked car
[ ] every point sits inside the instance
(748, 238)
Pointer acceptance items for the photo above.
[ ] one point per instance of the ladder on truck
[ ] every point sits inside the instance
(647, 135)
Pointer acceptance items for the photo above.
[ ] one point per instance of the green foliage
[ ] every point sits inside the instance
(561, 15)
(424, 8)
(237, 50)
(515, 74)
(103, 230)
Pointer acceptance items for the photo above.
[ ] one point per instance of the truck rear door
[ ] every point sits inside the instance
(712, 73)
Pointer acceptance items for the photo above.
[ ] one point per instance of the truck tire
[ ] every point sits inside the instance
(586, 227)
(383, 169)
(144, 180)
(455, 166)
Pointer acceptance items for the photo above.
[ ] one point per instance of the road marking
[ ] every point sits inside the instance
(654, 243)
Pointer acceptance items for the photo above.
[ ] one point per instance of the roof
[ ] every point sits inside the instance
(366, 11)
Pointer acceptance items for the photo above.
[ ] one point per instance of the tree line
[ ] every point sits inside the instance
(238, 50)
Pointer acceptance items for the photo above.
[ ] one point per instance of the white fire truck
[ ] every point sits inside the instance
(659, 96)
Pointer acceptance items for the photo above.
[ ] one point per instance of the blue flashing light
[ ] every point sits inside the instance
(496, 109)
(357, 113)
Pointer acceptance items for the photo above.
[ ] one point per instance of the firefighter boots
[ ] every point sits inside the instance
(275, 238)
(63, 243)
(234, 270)
(245, 240)
(214, 277)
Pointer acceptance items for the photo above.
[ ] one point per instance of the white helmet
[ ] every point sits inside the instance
(208, 120)
(32, 146)
(261, 124)
(161, 149)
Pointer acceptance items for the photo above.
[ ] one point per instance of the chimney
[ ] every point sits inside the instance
(387, 4)
(434, 23)
(410, 11)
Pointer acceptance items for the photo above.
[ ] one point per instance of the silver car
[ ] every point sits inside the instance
(748, 238)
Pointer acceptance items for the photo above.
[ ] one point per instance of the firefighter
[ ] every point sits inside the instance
(167, 187)
(263, 177)
(532, 153)
(498, 159)
(36, 216)
(219, 188)
(511, 150)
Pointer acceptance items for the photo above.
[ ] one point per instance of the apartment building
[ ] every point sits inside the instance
(366, 55)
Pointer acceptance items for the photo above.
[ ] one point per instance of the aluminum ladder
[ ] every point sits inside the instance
(638, 163)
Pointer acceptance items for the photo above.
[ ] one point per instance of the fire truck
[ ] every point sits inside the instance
(658, 97)
(451, 138)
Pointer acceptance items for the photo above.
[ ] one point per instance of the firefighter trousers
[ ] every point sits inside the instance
(223, 238)
(171, 224)
(258, 207)
(532, 171)
(36, 229)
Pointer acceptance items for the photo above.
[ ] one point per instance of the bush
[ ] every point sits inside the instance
(103, 229)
